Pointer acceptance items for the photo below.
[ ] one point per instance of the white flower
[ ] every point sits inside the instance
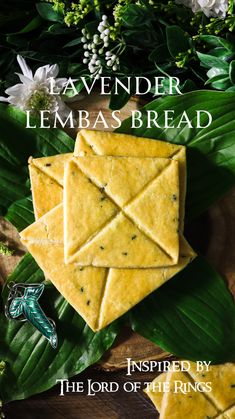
(34, 91)
(96, 46)
(211, 8)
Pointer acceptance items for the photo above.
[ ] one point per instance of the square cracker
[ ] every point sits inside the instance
(121, 212)
(222, 395)
(47, 178)
(106, 143)
(50, 170)
(175, 404)
(99, 295)
(228, 414)
(153, 390)
(222, 378)
(103, 286)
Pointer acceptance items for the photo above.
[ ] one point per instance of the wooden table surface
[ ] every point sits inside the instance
(120, 405)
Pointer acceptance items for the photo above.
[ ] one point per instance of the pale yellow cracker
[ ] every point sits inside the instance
(114, 144)
(222, 397)
(107, 226)
(127, 287)
(47, 176)
(93, 292)
(222, 378)
(155, 390)
(82, 287)
(46, 192)
(228, 414)
(181, 402)
(99, 295)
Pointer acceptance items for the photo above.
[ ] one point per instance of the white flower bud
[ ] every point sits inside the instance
(93, 50)
(101, 51)
(98, 62)
(96, 39)
(106, 39)
(95, 56)
(104, 18)
(114, 68)
(101, 28)
(109, 63)
(100, 70)
(83, 39)
(107, 31)
(85, 61)
(86, 54)
(114, 57)
(92, 69)
(85, 46)
(92, 61)
(83, 31)
(108, 53)
(89, 46)
(106, 44)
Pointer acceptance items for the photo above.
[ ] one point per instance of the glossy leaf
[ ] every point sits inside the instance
(134, 16)
(216, 41)
(74, 42)
(191, 316)
(177, 40)
(160, 54)
(31, 26)
(119, 97)
(212, 61)
(221, 82)
(210, 151)
(32, 366)
(21, 213)
(47, 12)
(232, 71)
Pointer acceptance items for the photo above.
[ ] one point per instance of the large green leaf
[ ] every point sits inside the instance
(21, 213)
(178, 41)
(211, 151)
(32, 366)
(17, 144)
(191, 316)
(47, 12)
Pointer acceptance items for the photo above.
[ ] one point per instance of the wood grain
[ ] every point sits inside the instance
(119, 405)
(9, 236)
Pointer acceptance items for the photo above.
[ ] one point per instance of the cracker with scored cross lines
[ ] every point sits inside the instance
(99, 295)
(179, 401)
(90, 142)
(47, 173)
(47, 178)
(121, 212)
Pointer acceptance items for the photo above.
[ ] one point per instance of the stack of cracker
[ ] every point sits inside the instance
(109, 221)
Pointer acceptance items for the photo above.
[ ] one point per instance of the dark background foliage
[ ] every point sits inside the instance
(163, 39)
